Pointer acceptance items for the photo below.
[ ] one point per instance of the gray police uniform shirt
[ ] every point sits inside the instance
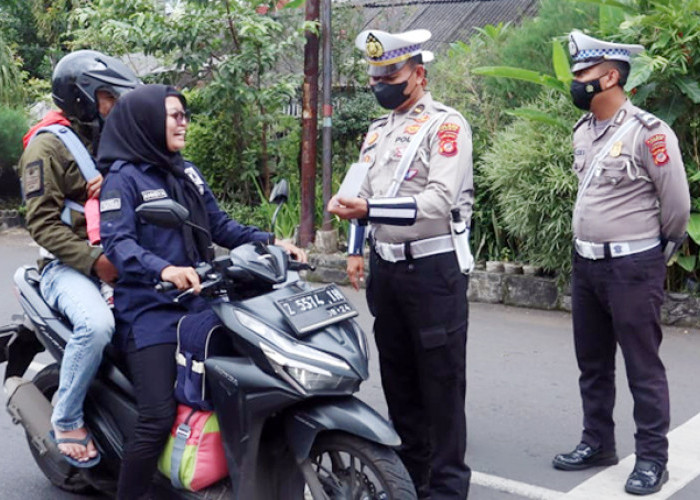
(439, 177)
(639, 189)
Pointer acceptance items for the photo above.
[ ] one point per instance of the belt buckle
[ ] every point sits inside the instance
(620, 249)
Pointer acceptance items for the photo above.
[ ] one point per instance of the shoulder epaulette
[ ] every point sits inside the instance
(583, 120)
(378, 122)
(117, 165)
(648, 120)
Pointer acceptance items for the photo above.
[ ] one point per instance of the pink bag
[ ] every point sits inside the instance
(194, 456)
(92, 219)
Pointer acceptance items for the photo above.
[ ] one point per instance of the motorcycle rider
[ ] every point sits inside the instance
(85, 86)
(141, 150)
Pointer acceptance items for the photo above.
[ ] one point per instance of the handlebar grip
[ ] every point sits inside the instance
(164, 286)
(295, 265)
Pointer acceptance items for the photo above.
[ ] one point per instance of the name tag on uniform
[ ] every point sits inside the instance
(153, 194)
(110, 204)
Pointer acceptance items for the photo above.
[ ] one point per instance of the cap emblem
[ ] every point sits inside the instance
(374, 47)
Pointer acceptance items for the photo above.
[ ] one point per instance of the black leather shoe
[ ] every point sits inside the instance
(647, 477)
(584, 457)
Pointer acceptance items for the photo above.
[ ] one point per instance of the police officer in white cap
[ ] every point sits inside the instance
(420, 157)
(630, 215)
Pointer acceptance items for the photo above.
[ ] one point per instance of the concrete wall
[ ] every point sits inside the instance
(516, 290)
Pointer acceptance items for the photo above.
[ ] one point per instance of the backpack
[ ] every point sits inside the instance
(194, 456)
(89, 171)
(198, 336)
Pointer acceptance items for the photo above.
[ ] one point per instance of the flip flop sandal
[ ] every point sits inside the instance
(83, 442)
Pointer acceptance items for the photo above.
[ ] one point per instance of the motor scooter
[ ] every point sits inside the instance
(283, 393)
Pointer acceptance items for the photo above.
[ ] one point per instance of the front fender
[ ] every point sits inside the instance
(346, 414)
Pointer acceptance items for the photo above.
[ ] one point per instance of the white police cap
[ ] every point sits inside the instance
(587, 51)
(387, 53)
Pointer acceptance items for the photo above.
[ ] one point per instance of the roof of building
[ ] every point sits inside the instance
(448, 20)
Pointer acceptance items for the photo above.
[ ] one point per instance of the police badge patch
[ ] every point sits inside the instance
(33, 179)
(657, 147)
(447, 134)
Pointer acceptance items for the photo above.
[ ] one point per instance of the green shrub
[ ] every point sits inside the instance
(528, 172)
(13, 125)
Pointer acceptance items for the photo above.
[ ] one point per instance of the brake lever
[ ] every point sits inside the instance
(190, 291)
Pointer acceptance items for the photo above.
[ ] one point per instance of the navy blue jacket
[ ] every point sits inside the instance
(140, 251)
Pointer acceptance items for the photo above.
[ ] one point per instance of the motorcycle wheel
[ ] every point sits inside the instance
(351, 468)
(52, 465)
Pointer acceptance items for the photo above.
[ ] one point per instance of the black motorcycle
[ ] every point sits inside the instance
(290, 424)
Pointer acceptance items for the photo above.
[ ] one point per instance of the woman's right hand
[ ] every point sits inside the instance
(183, 278)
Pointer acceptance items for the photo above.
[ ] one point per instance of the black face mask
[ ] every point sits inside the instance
(582, 93)
(390, 95)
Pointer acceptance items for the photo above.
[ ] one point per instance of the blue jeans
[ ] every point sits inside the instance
(78, 298)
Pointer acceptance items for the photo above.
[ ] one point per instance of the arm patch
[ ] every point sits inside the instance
(111, 205)
(33, 179)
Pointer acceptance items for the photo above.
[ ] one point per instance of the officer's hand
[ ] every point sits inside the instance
(348, 208)
(296, 252)
(105, 270)
(183, 278)
(94, 186)
(356, 270)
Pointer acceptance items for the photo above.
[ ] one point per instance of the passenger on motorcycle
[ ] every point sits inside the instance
(57, 182)
(141, 150)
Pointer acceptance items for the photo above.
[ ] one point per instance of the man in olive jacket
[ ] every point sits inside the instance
(56, 186)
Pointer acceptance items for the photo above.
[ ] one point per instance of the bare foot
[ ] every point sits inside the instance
(74, 450)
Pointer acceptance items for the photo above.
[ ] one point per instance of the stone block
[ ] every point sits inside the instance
(681, 310)
(528, 291)
(485, 287)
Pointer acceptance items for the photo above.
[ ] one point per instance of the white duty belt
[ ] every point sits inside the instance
(396, 252)
(597, 251)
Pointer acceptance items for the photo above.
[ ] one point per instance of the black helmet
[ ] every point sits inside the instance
(79, 75)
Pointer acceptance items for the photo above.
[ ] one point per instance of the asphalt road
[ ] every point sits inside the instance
(523, 405)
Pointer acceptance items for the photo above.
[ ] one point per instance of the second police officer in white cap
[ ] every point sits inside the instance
(420, 157)
(631, 212)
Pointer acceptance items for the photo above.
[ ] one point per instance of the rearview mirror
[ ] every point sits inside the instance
(165, 213)
(280, 192)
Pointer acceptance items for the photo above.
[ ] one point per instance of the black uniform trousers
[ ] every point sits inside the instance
(618, 301)
(152, 370)
(421, 332)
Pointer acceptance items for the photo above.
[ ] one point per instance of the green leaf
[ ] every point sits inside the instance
(640, 73)
(560, 61)
(690, 88)
(294, 4)
(522, 74)
(540, 116)
(611, 3)
(610, 18)
(687, 262)
(694, 227)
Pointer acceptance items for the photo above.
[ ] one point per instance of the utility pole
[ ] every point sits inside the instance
(309, 129)
(327, 139)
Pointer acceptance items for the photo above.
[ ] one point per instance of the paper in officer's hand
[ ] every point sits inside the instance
(354, 178)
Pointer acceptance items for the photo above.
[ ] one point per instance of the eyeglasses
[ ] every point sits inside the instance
(180, 116)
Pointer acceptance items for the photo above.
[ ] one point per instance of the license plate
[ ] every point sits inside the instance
(308, 311)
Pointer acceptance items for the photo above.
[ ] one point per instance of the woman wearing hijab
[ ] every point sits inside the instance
(140, 150)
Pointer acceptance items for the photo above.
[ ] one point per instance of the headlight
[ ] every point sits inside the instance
(287, 345)
(310, 378)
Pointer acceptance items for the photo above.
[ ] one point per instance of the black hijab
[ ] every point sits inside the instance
(134, 132)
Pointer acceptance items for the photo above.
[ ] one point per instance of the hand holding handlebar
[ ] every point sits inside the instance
(183, 278)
